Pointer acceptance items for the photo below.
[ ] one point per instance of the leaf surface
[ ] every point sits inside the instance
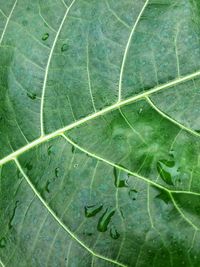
(99, 133)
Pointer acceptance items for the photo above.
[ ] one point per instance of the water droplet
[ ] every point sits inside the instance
(31, 95)
(121, 178)
(197, 209)
(92, 210)
(167, 170)
(47, 187)
(3, 242)
(49, 150)
(64, 47)
(24, 22)
(122, 214)
(114, 233)
(105, 220)
(140, 110)
(73, 148)
(171, 153)
(88, 233)
(10, 224)
(133, 194)
(57, 170)
(76, 165)
(163, 196)
(45, 36)
(29, 166)
(19, 175)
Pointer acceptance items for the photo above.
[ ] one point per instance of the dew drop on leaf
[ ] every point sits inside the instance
(167, 171)
(45, 36)
(64, 47)
(24, 22)
(3, 242)
(76, 165)
(49, 150)
(10, 224)
(163, 196)
(47, 186)
(31, 95)
(133, 194)
(19, 175)
(114, 233)
(105, 220)
(92, 210)
(29, 166)
(57, 171)
(120, 178)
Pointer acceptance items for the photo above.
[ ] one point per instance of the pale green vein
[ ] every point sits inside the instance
(88, 74)
(136, 175)
(1, 11)
(129, 124)
(1, 263)
(127, 49)
(116, 16)
(176, 51)
(181, 213)
(117, 105)
(193, 240)
(7, 21)
(40, 14)
(59, 221)
(170, 119)
(113, 164)
(48, 65)
(148, 206)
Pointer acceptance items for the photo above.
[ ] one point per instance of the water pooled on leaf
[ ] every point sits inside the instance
(57, 170)
(105, 220)
(73, 148)
(31, 95)
(25, 22)
(120, 178)
(47, 187)
(133, 194)
(3, 242)
(92, 210)
(64, 47)
(28, 166)
(45, 36)
(49, 150)
(19, 175)
(164, 196)
(10, 224)
(140, 110)
(167, 171)
(114, 233)
(121, 212)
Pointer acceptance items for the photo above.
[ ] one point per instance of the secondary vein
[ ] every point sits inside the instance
(59, 221)
(47, 68)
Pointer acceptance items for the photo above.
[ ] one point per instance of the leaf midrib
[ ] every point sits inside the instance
(117, 105)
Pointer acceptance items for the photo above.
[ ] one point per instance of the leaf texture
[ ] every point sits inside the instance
(99, 133)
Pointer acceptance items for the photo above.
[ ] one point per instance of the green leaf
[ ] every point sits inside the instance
(99, 133)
